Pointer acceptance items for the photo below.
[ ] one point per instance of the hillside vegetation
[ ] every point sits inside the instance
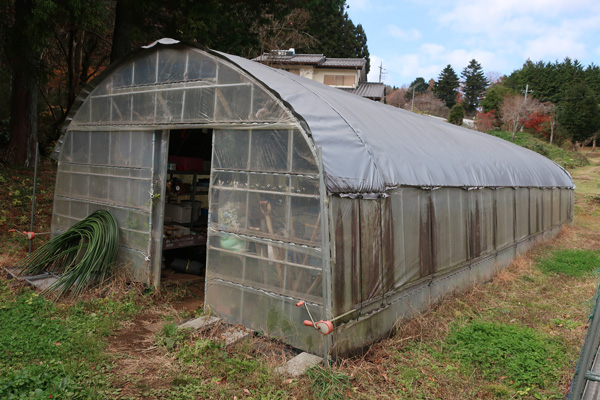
(563, 157)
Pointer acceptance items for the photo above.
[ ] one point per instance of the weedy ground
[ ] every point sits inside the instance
(516, 337)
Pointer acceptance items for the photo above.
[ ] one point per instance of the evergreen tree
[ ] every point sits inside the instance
(446, 87)
(578, 112)
(494, 97)
(336, 34)
(474, 86)
(548, 81)
(418, 86)
(54, 47)
(27, 34)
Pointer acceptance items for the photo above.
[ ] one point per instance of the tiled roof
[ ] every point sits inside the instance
(344, 62)
(371, 90)
(315, 59)
(290, 59)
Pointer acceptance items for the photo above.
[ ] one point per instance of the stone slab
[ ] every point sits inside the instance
(298, 365)
(200, 323)
(41, 281)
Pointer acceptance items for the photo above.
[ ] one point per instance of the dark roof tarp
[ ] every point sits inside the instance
(369, 147)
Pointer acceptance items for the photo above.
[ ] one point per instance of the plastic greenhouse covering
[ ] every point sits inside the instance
(412, 206)
(369, 148)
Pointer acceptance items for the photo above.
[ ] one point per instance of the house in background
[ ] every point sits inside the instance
(348, 74)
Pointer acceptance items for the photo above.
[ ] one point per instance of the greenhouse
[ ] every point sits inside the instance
(282, 190)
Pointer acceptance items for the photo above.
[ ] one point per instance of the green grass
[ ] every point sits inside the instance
(561, 156)
(437, 355)
(570, 262)
(53, 351)
(16, 184)
(517, 354)
(328, 384)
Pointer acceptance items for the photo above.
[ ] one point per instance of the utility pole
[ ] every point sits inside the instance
(526, 91)
(524, 102)
(380, 70)
(413, 99)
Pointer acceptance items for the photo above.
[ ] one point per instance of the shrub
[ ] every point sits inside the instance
(457, 113)
(485, 122)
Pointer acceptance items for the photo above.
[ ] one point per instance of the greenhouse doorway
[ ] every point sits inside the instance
(186, 209)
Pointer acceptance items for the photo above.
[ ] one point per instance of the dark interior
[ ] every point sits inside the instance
(186, 207)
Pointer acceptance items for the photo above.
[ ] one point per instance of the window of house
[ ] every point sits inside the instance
(339, 80)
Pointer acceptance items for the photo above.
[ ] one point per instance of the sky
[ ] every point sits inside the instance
(415, 38)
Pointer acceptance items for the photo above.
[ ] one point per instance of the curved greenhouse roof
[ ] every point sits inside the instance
(371, 147)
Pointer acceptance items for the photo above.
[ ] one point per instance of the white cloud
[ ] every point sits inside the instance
(374, 72)
(500, 34)
(509, 23)
(403, 34)
(484, 16)
(429, 60)
(553, 47)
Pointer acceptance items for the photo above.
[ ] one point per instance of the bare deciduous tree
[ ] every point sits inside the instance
(397, 98)
(285, 33)
(428, 103)
(514, 109)
(549, 109)
(494, 77)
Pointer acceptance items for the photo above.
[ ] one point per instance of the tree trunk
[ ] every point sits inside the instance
(23, 120)
(23, 107)
(122, 34)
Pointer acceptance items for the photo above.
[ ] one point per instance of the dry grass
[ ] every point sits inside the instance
(412, 363)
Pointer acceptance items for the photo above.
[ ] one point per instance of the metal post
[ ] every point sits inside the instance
(37, 145)
(325, 254)
(588, 353)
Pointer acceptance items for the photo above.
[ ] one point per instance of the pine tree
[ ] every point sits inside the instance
(578, 112)
(474, 86)
(418, 86)
(446, 87)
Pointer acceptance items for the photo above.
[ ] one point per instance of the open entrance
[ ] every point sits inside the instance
(186, 210)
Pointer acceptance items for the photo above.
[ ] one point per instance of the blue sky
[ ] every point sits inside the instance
(419, 38)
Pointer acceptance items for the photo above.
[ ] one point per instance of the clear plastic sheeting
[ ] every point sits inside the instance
(109, 171)
(381, 247)
(450, 207)
(505, 216)
(265, 312)
(177, 85)
(264, 237)
(281, 268)
(283, 151)
(522, 209)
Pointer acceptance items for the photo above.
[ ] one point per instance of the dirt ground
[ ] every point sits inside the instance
(142, 365)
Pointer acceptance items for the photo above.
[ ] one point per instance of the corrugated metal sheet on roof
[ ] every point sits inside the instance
(343, 63)
(371, 90)
(291, 59)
